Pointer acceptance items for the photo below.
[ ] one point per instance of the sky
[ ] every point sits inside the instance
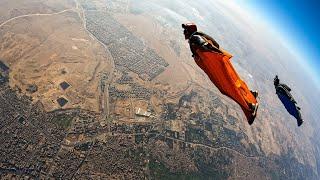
(297, 23)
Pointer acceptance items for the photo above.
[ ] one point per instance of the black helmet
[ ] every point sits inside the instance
(276, 81)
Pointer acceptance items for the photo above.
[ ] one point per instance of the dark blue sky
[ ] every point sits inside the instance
(298, 20)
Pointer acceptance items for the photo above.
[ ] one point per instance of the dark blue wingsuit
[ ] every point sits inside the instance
(283, 92)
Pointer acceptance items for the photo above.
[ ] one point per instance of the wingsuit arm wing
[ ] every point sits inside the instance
(282, 88)
(196, 42)
(214, 42)
(287, 87)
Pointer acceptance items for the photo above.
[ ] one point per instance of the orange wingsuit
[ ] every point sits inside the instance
(221, 72)
(217, 65)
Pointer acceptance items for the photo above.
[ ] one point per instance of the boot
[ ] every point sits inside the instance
(254, 109)
(255, 93)
(300, 121)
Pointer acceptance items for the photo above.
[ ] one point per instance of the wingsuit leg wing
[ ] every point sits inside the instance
(221, 72)
(291, 107)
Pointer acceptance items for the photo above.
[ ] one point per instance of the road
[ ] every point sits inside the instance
(30, 15)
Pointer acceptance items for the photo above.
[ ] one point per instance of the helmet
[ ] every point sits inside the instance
(189, 28)
(276, 80)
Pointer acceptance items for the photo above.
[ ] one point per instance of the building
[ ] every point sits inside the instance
(141, 112)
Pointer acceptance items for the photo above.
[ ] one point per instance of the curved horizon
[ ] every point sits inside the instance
(293, 23)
